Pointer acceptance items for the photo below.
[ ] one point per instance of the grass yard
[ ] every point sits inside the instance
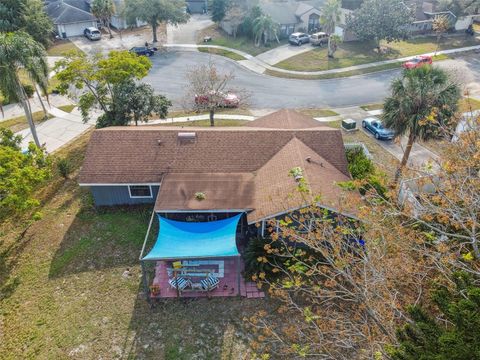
(67, 108)
(317, 112)
(222, 52)
(19, 123)
(371, 107)
(63, 292)
(60, 47)
(242, 43)
(469, 104)
(357, 53)
(334, 75)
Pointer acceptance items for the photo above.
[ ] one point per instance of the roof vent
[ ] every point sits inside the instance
(159, 142)
(187, 136)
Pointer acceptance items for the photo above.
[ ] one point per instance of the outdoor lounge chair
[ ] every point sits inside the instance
(179, 283)
(210, 282)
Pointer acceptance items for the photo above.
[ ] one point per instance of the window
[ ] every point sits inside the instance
(140, 191)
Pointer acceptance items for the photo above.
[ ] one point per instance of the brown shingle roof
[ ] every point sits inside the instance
(285, 119)
(237, 167)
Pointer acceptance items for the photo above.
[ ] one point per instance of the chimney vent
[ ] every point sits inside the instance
(187, 136)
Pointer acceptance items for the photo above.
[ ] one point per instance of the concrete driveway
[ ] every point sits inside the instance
(125, 41)
(283, 52)
(187, 33)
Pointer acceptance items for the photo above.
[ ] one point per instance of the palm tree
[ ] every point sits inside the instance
(263, 27)
(330, 16)
(103, 10)
(423, 101)
(18, 51)
(440, 25)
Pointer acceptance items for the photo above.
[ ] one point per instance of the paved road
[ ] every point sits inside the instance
(168, 77)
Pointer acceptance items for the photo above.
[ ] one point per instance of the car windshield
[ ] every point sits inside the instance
(380, 126)
(416, 60)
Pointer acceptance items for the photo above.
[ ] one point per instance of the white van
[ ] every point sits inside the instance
(318, 39)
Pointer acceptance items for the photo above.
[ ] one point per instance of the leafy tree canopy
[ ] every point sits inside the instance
(28, 16)
(453, 335)
(20, 173)
(381, 20)
(134, 103)
(155, 12)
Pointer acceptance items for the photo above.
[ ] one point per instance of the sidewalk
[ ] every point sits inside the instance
(259, 66)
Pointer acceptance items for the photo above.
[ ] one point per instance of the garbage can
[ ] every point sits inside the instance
(349, 124)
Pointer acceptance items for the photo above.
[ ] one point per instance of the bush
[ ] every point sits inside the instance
(254, 255)
(29, 90)
(64, 167)
(359, 165)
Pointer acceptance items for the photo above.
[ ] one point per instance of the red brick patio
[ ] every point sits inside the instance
(225, 269)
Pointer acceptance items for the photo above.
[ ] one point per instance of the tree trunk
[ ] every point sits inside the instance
(41, 102)
(28, 113)
(212, 114)
(154, 30)
(438, 44)
(406, 155)
(330, 55)
(108, 27)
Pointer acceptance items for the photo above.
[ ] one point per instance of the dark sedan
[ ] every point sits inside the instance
(143, 50)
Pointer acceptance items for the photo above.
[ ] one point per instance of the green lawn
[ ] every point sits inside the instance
(357, 53)
(63, 292)
(226, 53)
(19, 123)
(219, 37)
(60, 47)
(370, 107)
(67, 108)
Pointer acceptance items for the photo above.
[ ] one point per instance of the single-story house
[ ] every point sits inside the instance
(70, 17)
(294, 15)
(197, 6)
(214, 187)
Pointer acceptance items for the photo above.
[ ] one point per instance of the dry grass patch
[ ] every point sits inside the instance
(20, 123)
(60, 47)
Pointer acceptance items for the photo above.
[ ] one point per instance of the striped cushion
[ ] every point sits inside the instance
(210, 282)
(179, 283)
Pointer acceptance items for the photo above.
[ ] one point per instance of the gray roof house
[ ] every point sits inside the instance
(294, 15)
(70, 17)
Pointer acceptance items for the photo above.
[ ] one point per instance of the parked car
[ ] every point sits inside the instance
(376, 127)
(92, 33)
(228, 99)
(143, 50)
(298, 38)
(417, 62)
(318, 39)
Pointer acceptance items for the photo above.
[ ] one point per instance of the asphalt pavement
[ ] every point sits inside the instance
(167, 76)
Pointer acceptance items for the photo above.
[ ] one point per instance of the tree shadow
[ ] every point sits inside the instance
(100, 238)
(177, 329)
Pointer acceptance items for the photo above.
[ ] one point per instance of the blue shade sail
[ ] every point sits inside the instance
(181, 240)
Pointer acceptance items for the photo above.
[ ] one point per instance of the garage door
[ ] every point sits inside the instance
(77, 28)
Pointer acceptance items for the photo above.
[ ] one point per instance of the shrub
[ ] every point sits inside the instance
(359, 165)
(64, 167)
(255, 256)
(29, 90)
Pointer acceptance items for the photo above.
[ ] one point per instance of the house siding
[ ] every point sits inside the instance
(119, 195)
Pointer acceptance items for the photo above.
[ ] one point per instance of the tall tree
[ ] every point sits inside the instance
(440, 25)
(263, 28)
(103, 10)
(379, 20)
(235, 17)
(330, 17)
(19, 51)
(219, 10)
(28, 16)
(422, 101)
(155, 12)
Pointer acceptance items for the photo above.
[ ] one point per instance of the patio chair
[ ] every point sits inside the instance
(210, 282)
(179, 283)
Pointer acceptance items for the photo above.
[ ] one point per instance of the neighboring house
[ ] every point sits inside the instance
(70, 17)
(294, 16)
(118, 20)
(197, 6)
(200, 178)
